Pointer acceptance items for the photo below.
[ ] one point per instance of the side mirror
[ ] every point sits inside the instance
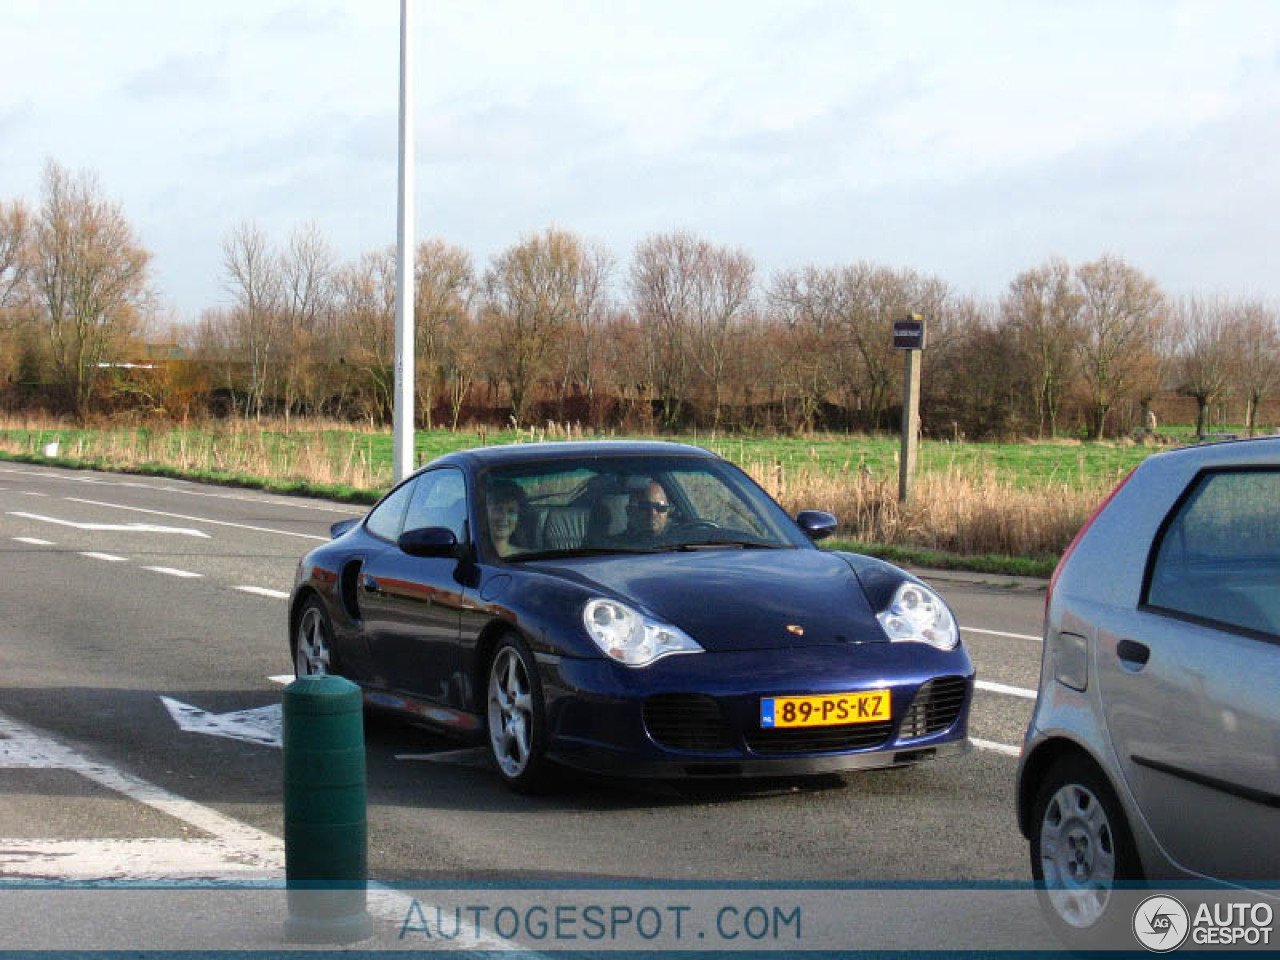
(817, 524)
(429, 542)
(342, 526)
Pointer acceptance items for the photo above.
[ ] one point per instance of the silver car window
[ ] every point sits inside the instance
(1219, 556)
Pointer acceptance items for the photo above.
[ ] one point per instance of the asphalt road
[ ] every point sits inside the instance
(118, 591)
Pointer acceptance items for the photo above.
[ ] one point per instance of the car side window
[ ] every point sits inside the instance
(386, 520)
(439, 500)
(1218, 558)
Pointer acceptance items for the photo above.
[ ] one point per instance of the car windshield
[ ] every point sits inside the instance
(627, 504)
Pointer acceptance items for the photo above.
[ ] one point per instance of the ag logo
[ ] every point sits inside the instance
(1161, 923)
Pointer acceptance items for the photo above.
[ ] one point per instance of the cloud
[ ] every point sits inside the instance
(178, 76)
(304, 20)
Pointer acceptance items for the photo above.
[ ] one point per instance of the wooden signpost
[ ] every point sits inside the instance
(909, 336)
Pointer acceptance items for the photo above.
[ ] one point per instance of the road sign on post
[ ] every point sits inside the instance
(909, 335)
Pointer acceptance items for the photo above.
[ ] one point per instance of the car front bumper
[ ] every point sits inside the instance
(600, 714)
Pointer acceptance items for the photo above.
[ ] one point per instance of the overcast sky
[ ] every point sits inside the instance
(967, 139)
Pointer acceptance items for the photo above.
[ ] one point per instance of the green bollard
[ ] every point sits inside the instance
(325, 823)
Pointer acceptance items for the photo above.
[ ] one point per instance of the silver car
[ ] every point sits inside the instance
(1154, 749)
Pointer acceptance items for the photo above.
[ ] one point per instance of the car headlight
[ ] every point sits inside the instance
(917, 614)
(629, 637)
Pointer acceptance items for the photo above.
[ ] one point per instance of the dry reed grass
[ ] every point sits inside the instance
(971, 511)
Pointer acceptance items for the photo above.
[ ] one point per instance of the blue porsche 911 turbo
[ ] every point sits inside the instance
(641, 609)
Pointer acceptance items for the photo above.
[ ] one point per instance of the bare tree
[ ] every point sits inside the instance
(805, 305)
(534, 293)
(90, 272)
(1258, 373)
(1042, 310)
(1122, 316)
(444, 291)
(366, 299)
(1207, 352)
(15, 226)
(251, 274)
(306, 278)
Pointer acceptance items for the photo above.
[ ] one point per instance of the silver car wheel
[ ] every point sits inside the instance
(510, 712)
(311, 647)
(1078, 855)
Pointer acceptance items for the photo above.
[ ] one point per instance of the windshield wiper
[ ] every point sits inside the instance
(743, 544)
(575, 552)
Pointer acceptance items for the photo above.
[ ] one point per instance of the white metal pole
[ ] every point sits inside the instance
(402, 416)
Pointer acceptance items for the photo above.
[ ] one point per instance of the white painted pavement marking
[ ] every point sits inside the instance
(32, 493)
(284, 679)
(261, 725)
(182, 516)
(151, 859)
(169, 488)
(35, 541)
(991, 745)
(245, 847)
(263, 592)
(172, 572)
(109, 557)
(22, 747)
(1001, 633)
(1020, 692)
(113, 527)
(467, 757)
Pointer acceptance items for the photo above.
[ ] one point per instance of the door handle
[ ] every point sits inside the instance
(1133, 654)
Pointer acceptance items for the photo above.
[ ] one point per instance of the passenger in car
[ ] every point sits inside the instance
(504, 509)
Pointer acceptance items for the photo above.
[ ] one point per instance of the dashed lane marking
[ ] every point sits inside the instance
(263, 592)
(172, 572)
(1020, 692)
(284, 679)
(1001, 633)
(182, 516)
(32, 493)
(109, 557)
(35, 541)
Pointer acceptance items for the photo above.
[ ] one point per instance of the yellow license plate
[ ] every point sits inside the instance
(825, 710)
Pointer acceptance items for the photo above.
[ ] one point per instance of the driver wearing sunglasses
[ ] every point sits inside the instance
(648, 512)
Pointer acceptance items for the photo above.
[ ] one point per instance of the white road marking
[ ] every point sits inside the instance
(35, 541)
(1021, 692)
(991, 745)
(244, 847)
(112, 527)
(284, 679)
(181, 516)
(32, 493)
(172, 489)
(171, 572)
(22, 747)
(111, 557)
(261, 725)
(150, 859)
(264, 592)
(1001, 633)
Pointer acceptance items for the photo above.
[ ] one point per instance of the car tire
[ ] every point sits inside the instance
(515, 717)
(1082, 851)
(312, 640)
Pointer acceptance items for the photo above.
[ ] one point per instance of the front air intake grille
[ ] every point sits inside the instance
(850, 736)
(936, 706)
(686, 721)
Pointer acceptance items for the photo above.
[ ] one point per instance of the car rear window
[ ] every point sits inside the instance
(1218, 558)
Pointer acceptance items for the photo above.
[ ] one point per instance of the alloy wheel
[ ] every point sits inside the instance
(1078, 855)
(311, 650)
(510, 712)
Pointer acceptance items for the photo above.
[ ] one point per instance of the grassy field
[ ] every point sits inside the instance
(985, 505)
